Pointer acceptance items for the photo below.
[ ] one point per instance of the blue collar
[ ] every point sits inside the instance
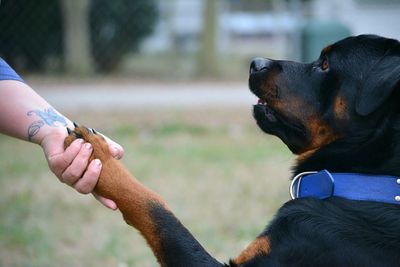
(354, 186)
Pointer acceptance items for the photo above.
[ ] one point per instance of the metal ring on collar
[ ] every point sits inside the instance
(294, 181)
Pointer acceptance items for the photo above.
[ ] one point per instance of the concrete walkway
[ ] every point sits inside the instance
(126, 96)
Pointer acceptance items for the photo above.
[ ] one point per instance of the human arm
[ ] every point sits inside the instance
(27, 116)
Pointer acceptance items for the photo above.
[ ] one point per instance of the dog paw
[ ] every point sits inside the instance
(100, 146)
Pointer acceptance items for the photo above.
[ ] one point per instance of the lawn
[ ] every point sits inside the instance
(223, 178)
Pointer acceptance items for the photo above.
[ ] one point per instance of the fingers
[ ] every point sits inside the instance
(77, 167)
(106, 202)
(87, 183)
(116, 149)
(72, 165)
(58, 162)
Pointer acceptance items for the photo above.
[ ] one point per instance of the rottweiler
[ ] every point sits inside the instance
(341, 115)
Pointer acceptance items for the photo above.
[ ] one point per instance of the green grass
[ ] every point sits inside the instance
(223, 178)
(173, 67)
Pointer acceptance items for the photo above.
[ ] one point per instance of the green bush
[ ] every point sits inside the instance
(31, 32)
(117, 28)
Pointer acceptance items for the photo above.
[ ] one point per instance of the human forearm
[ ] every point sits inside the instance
(26, 115)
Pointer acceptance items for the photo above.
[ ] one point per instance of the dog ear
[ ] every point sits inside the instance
(381, 81)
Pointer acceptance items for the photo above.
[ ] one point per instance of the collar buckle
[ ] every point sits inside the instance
(294, 188)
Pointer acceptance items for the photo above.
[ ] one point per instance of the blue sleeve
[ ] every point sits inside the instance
(7, 73)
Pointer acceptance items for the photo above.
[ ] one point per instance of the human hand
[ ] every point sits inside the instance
(72, 165)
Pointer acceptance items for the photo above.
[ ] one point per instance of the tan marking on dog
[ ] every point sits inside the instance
(269, 91)
(320, 134)
(259, 247)
(305, 155)
(327, 49)
(293, 107)
(340, 108)
(133, 199)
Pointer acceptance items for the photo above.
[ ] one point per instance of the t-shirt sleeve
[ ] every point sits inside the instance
(7, 73)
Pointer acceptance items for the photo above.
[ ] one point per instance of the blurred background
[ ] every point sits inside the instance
(167, 79)
(178, 39)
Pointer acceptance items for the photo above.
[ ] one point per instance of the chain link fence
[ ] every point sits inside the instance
(73, 35)
(173, 39)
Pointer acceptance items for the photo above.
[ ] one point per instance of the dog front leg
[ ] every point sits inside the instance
(170, 241)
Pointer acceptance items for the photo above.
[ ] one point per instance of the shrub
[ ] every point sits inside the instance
(32, 31)
(117, 27)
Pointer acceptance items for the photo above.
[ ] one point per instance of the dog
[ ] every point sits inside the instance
(341, 116)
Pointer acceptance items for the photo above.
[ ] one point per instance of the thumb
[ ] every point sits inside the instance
(58, 159)
(116, 149)
(106, 202)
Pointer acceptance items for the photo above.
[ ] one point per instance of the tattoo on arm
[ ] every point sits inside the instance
(34, 129)
(47, 117)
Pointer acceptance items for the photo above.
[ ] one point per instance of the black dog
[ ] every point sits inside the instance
(341, 115)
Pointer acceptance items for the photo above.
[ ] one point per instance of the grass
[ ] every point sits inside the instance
(223, 178)
(172, 67)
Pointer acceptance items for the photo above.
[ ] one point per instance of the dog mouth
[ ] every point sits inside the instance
(269, 113)
(268, 117)
(276, 114)
(264, 104)
(271, 121)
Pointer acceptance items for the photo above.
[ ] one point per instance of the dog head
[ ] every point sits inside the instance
(308, 106)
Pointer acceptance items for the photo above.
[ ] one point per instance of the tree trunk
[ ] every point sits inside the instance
(78, 60)
(207, 53)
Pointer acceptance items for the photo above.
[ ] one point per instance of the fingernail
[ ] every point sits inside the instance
(97, 162)
(113, 206)
(115, 152)
(80, 141)
(88, 146)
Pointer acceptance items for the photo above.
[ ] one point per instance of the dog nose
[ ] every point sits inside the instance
(259, 63)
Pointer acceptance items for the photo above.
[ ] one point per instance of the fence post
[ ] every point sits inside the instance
(207, 53)
(78, 60)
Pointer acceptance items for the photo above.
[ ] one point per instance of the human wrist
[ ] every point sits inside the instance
(47, 133)
(48, 122)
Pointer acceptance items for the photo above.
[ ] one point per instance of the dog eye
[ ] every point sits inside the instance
(325, 64)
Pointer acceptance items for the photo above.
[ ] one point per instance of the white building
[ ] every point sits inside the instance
(274, 31)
